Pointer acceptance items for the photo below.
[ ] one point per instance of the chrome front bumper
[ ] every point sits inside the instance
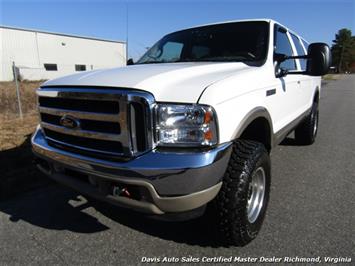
(176, 181)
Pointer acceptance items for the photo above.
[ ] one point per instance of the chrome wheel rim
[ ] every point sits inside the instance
(256, 195)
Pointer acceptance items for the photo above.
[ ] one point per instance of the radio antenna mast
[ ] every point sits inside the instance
(126, 31)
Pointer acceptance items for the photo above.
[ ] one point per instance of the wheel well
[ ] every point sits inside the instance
(258, 130)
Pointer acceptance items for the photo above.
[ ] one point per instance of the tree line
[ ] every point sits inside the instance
(343, 51)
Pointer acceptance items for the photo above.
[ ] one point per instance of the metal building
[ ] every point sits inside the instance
(40, 55)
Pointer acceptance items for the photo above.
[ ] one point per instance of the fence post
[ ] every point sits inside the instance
(17, 89)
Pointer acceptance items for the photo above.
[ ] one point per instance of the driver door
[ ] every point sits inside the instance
(289, 85)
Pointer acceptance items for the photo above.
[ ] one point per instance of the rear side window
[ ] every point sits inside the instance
(305, 44)
(299, 50)
(283, 46)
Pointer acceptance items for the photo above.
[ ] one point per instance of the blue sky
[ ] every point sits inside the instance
(148, 21)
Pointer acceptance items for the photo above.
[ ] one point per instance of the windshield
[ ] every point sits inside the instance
(238, 41)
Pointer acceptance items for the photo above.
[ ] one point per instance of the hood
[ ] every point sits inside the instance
(170, 82)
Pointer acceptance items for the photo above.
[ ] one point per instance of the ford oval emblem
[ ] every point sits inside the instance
(69, 122)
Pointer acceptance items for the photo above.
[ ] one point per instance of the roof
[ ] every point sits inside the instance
(61, 34)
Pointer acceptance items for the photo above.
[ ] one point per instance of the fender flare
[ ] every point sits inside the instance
(257, 112)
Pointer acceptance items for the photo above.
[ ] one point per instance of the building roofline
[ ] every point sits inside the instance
(60, 34)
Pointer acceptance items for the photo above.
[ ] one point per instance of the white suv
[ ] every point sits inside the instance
(189, 126)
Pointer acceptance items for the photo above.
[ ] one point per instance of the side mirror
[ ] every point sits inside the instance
(130, 62)
(319, 59)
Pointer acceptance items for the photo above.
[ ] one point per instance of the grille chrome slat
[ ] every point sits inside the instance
(97, 109)
(83, 115)
(83, 133)
(84, 148)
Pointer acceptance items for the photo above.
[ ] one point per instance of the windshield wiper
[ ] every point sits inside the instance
(211, 59)
(216, 59)
(150, 62)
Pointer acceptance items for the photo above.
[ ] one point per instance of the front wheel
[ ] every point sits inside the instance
(241, 203)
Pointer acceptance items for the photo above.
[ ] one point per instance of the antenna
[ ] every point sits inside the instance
(126, 31)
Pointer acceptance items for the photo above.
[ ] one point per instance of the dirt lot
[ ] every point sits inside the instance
(8, 99)
(13, 130)
(17, 174)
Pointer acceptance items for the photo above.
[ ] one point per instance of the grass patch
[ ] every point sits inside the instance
(331, 77)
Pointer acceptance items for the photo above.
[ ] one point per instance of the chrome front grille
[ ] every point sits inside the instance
(113, 123)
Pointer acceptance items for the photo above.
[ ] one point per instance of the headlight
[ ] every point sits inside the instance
(185, 125)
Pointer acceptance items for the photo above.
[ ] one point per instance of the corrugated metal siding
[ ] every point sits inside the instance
(31, 50)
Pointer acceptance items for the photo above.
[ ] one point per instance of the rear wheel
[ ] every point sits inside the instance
(306, 132)
(241, 203)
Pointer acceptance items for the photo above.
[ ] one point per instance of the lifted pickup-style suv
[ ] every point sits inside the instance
(190, 125)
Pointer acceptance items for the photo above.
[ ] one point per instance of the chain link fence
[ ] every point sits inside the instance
(18, 97)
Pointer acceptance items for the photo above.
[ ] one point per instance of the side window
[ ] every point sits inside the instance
(299, 50)
(283, 46)
(305, 44)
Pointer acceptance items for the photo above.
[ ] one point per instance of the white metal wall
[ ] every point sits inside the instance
(30, 50)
